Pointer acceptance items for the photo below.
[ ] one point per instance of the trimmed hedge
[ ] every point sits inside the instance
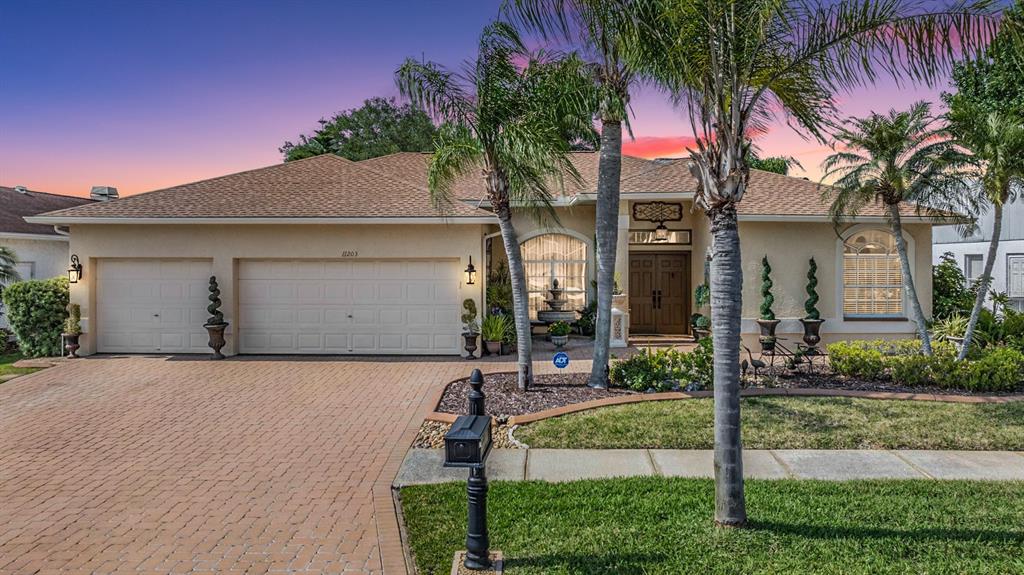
(666, 369)
(36, 310)
(991, 369)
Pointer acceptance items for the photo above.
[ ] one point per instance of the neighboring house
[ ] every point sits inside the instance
(42, 251)
(970, 252)
(326, 256)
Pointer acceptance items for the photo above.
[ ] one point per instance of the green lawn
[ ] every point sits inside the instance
(7, 360)
(790, 423)
(663, 526)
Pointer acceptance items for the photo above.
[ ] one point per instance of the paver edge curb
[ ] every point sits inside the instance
(677, 395)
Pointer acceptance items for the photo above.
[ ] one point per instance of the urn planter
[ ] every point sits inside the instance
(812, 331)
(470, 346)
(217, 342)
(559, 340)
(768, 337)
(700, 333)
(71, 343)
(493, 347)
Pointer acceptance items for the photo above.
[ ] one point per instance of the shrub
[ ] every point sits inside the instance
(588, 316)
(495, 327)
(559, 328)
(73, 324)
(856, 359)
(36, 310)
(998, 369)
(950, 295)
(665, 369)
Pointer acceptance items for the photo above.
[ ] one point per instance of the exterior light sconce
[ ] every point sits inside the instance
(74, 270)
(470, 272)
(661, 232)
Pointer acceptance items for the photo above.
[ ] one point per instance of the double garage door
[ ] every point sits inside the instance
(288, 307)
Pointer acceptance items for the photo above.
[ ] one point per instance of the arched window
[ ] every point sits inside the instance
(872, 276)
(550, 256)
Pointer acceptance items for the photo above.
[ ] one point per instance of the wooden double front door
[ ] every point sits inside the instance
(659, 293)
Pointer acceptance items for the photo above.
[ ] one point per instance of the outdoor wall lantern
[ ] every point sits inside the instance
(661, 232)
(467, 444)
(470, 272)
(75, 270)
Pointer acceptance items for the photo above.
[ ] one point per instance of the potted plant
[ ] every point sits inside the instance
(472, 327)
(559, 332)
(767, 321)
(700, 323)
(812, 321)
(215, 324)
(510, 341)
(72, 329)
(493, 330)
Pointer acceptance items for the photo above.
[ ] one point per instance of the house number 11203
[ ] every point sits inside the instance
(349, 253)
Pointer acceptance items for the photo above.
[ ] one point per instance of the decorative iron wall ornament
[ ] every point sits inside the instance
(657, 212)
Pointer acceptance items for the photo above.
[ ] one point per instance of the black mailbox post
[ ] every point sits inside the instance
(467, 444)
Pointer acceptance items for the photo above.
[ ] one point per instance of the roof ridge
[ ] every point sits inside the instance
(12, 188)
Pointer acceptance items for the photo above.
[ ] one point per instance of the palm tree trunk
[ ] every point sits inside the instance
(986, 280)
(916, 313)
(520, 298)
(726, 318)
(609, 171)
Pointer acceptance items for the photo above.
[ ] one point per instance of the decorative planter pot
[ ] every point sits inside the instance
(767, 338)
(216, 332)
(470, 347)
(700, 333)
(812, 331)
(71, 343)
(493, 347)
(559, 340)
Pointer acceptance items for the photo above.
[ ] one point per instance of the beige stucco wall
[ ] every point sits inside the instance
(226, 244)
(49, 257)
(789, 246)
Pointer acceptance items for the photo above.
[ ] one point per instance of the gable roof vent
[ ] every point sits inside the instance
(21, 189)
(103, 193)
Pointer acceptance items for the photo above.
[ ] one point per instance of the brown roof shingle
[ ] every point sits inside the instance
(326, 186)
(15, 206)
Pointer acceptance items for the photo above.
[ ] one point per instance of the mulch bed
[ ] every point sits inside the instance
(827, 380)
(505, 400)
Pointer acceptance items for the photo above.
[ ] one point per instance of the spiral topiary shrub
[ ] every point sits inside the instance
(216, 317)
(811, 305)
(767, 299)
(36, 310)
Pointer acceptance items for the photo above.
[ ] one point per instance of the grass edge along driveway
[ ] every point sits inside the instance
(789, 423)
(663, 526)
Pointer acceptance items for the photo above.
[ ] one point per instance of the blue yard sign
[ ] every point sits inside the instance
(561, 360)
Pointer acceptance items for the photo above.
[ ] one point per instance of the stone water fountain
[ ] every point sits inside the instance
(556, 307)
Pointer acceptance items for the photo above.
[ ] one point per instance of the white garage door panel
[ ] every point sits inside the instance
(349, 307)
(147, 306)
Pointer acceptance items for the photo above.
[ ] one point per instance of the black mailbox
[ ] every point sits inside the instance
(468, 442)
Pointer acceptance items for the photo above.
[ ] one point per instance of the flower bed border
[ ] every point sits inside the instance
(677, 395)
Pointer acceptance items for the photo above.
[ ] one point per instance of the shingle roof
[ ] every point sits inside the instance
(14, 206)
(326, 186)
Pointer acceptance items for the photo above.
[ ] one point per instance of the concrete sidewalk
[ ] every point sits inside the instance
(424, 465)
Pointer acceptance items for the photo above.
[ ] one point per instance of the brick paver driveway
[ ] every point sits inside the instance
(186, 465)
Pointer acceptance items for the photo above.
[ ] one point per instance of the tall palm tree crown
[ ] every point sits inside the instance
(903, 158)
(735, 67)
(599, 29)
(8, 273)
(509, 116)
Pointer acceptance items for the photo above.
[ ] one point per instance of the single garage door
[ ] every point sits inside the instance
(147, 306)
(349, 307)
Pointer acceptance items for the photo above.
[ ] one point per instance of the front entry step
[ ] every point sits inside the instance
(659, 340)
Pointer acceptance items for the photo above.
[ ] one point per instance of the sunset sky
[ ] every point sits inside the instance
(143, 95)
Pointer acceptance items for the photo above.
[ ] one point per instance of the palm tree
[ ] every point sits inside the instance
(734, 66)
(8, 273)
(996, 143)
(509, 116)
(598, 29)
(895, 159)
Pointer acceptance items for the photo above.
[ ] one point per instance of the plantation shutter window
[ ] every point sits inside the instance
(872, 276)
(555, 256)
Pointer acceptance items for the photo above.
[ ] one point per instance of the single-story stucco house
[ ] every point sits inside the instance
(329, 256)
(41, 249)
